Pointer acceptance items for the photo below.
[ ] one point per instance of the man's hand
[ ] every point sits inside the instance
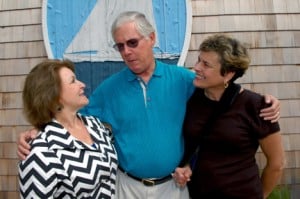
(273, 112)
(22, 142)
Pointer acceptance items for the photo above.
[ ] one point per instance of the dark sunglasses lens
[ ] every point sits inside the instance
(119, 46)
(132, 43)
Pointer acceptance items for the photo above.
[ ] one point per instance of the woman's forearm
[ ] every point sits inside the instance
(273, 150)
(270, 178)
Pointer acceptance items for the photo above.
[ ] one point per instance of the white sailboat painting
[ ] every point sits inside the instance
(94, 41)
(79, 30)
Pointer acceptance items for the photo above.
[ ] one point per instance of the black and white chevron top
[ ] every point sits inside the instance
(60, 166)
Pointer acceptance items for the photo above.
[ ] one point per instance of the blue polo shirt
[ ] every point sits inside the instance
(146, 119)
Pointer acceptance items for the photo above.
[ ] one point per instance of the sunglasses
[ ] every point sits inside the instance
(131, 43)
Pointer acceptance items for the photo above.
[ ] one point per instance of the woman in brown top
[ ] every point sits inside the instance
(222, 121)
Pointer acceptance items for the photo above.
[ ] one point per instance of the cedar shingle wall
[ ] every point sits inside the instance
(21, 47)
(271, 27)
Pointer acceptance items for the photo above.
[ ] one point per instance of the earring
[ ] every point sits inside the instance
(225, 84)
(59, 109)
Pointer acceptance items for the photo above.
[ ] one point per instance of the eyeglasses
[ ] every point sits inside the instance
(131, 43)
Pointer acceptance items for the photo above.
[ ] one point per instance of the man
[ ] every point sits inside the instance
(145, 104)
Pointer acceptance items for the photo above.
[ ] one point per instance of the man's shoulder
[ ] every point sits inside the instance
(115, 78)
(173, 67)
(117, 75)
(160, 63)
(252, 99)
(251, 95)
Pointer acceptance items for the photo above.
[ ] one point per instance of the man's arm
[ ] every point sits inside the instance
(22, 142)
(272, 112)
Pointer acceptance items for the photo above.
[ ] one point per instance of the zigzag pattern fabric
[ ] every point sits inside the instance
(60, 166)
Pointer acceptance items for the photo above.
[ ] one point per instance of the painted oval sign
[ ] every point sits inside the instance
(79, 30)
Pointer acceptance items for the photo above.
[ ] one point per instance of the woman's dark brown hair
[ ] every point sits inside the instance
(42, 91)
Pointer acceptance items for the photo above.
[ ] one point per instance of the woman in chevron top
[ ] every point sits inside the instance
(73, 155)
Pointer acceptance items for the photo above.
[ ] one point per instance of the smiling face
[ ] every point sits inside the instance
(139, 59)
(72, 91)
(208, 72)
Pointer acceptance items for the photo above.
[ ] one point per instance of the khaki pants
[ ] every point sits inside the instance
(128, 188)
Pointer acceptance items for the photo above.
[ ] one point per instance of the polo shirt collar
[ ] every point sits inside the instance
(158, 72)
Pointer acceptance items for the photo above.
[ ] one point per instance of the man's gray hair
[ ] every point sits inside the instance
(142, 25)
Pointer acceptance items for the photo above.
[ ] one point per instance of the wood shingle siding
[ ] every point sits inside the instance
(227, 7)
(19, 5)
(32, 49)
(21, 33)
(20, 17)
(9, 67)
(21, 47)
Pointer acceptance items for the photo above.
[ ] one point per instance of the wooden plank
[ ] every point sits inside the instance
(291, 176)
(274, 39)
(288, 22)
(246, 7)
(8, 150)
(11, 133)
(8, 183)
(21, 33)
(211, 7)
(290, 108)
(292, 159)
(293, 6)
(18, 66)
(22, 50)
(11, 83)
(289, 90)
(291, 143)
(11, 100)
(288, 144)
(290, 125)
(10, 194)
(17, 4)
(230, 7)
(265, 56)
(275, 89)
(271, 22)
(275, 56)
(12, 117)
(20, 17)
(280, 73)
(264, 6)
(9, 166)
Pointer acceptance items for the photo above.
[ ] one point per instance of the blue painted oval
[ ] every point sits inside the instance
(62, 20)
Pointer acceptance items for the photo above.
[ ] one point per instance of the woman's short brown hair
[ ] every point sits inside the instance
(234, 56)
(42, 91)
